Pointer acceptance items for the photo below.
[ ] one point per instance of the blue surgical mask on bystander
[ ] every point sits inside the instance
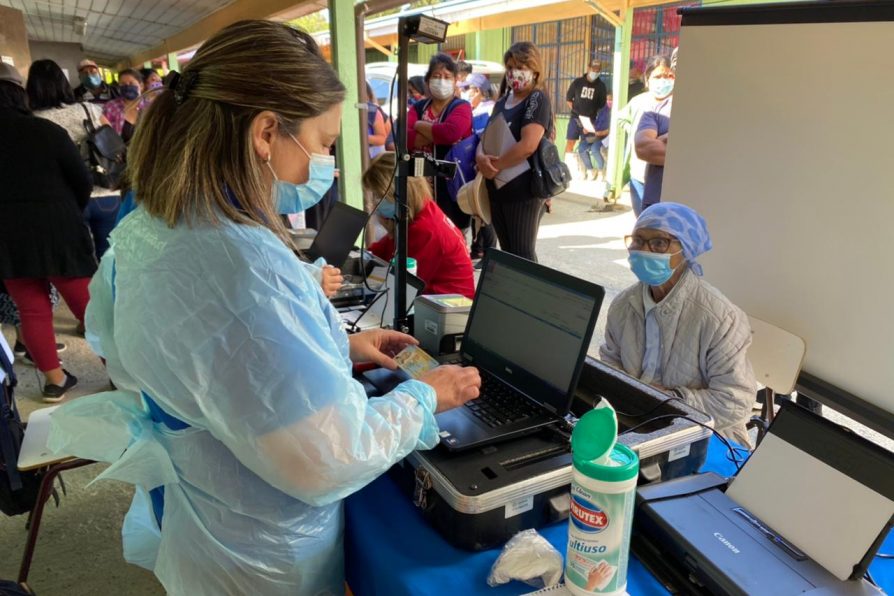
(387, 209)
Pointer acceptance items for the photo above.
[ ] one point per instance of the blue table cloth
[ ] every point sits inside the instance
(391, 551)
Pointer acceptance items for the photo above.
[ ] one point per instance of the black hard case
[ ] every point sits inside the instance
(467, 496)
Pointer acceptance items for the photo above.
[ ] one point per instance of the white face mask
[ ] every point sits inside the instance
(592, 76)
(441, 88)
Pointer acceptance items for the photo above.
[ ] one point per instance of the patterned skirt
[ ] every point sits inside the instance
(9, 314)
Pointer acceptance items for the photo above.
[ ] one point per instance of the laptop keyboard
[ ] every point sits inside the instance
(500, 404)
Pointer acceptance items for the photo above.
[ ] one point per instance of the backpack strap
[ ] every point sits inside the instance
(552, 114)
(6, 367)
(89, 125)
(420, 107)
(9, 415)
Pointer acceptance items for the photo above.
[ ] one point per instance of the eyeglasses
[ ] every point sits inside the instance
(659, 244)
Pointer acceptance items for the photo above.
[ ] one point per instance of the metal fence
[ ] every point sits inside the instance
(564, 53)
(656, 31)
(567, 46)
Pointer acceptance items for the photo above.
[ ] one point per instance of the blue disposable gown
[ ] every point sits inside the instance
(228, 332)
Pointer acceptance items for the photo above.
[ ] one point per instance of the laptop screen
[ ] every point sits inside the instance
(381, 311)
(825, 489)
(338, 233)
(530, 326)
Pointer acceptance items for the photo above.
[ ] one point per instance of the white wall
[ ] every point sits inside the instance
(66, 55)
(781, 137)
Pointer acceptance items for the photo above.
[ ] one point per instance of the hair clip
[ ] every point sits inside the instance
(181, 84)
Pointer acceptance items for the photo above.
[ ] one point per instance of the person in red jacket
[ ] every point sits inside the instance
(442, 259)
(435, 125)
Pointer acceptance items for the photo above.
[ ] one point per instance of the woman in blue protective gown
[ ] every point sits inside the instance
(236, 414)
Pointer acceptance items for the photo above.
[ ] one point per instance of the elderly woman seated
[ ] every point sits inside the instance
(675, 331)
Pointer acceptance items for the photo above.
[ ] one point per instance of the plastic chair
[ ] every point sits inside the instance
(34, 455)
(776, 356)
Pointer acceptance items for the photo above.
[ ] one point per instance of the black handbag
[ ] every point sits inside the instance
(550, 175)
(106, 152)
(18, 490)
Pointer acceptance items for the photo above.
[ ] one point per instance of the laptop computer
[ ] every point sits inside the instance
(528, 334)
(380, 311)
(806, 514)
(336, 237)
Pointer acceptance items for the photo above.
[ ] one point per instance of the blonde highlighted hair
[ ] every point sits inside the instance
(378, 179)
(192, 155)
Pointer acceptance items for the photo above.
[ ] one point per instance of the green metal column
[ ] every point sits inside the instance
(173, 62)
(620, 77)
(426, 51)
(344, 58)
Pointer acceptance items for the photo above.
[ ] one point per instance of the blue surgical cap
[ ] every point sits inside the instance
(684, 224)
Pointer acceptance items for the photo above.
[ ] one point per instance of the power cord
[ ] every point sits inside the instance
(363, 247)
(651, 410)
(732, 452)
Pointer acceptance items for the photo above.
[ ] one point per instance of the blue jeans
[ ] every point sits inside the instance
(636, 195)
(101, 215)
(591, 153)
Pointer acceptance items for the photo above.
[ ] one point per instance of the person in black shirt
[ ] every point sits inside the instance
(92, 88)
(43, 239)
(586, 96)
(515, 212)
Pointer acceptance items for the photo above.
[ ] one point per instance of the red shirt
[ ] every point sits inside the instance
(455, 127)
(442, 259)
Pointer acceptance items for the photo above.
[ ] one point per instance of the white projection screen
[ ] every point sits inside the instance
(782, 136)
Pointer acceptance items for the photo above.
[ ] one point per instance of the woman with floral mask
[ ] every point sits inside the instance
(435, 125)
(236, 414)
(629, 118)
(525, 108)
(675, 331)
(123, 112)
(650, 140)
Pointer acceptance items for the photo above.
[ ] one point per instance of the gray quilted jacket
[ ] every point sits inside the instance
(704, 343)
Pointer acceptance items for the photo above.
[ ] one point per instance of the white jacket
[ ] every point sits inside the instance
(704, 343)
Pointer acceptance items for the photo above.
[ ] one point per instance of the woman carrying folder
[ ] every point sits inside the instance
(527, 113)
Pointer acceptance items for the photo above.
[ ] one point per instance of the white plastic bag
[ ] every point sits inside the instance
(530, 558)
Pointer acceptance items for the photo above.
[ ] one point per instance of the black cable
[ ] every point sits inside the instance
(732, 452)
(869, 578)
(885, 555)
(382, 198)
(647, 412)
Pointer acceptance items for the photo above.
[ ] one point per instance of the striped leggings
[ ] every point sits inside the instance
(516, 224)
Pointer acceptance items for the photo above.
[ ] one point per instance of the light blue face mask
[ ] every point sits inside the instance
(661, 88)
(91, 81)
(387, 209)
(295, 198)
(651, 268)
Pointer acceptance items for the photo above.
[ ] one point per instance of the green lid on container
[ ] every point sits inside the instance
(594, 449)
(623, 465)
(595, 433)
